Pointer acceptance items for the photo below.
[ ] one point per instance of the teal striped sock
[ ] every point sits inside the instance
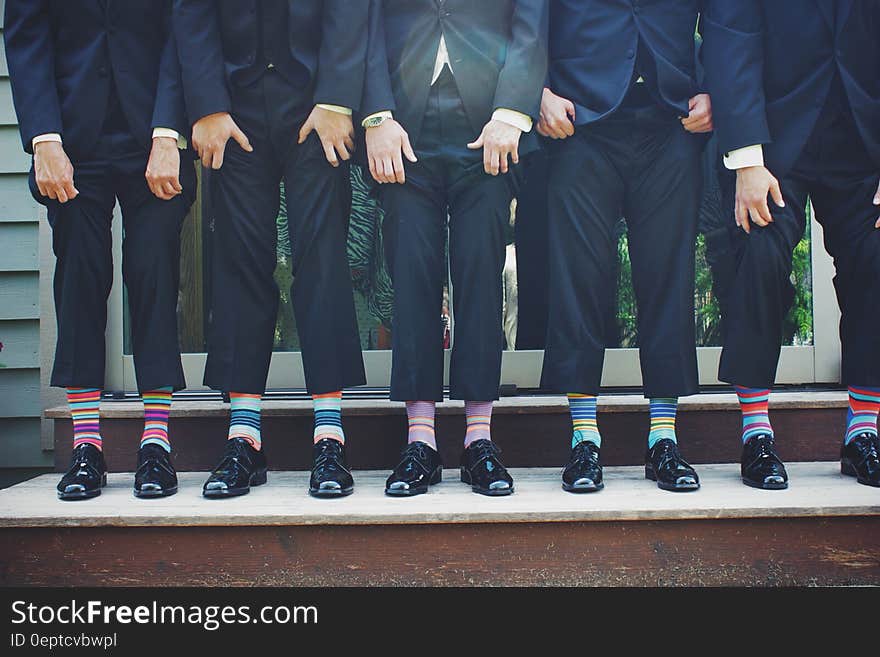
(583, 419)
(328, 417)
(663, 411)
(244, 419)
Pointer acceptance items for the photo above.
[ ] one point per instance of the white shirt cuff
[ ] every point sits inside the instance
(386, 114)
(339, 109)
(514, 118)
(49, 136)
(172, 134)
(750, 156)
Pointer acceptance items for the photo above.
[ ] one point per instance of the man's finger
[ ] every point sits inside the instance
(304, 132)
(217, 158)
(567, 128)
(330, 154)
(175, 183)
(502, 157)
(776, 194)
(514, 154)
(169, 189)
(372, 165)
(399, 175)
(42, 189)
(349, 143)
(242, 140)
(69, 190)
(569, 109)
(341, 148)
(408, 150)
(476, 145)
(61, 194)
(382, 166)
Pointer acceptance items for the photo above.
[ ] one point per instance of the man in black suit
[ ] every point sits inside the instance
(271, 86)
(96, 86)
(451, 86)
(798, 112)
(623, 105)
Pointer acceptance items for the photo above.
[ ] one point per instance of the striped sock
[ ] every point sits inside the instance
(84, 410)
(328, 416)
(663, 410)
(583, 419)
(478, 416)
(755, 404)
(157, 407)
(244, 418)
(420, 417)
(864, 406)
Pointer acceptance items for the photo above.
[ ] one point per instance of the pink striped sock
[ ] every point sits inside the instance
(478, 416)
(420, 416)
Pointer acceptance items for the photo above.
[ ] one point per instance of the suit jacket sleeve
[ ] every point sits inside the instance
(733, 56)
(342, 58)
(378, 94)
(30, 57)
(524, 73)
(200, 51)
(170, 110)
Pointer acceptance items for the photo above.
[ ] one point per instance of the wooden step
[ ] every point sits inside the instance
(821, 531)
(533, 431)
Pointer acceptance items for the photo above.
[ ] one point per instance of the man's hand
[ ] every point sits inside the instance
(210, 134)
(54, 172)
(699, 118)
(877, 202)
(335, 130)
(163, 168)
(753, 185)
(498, 141)
(387, 143)
(557, 116)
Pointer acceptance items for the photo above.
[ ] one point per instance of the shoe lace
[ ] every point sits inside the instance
(328, 454)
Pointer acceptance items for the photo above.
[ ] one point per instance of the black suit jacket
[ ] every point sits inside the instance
(497, 49)
(594, 45)
(62, 54)
(770, 65)
(218, 39)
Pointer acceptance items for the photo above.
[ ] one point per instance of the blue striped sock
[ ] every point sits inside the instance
(583, 419)
(244, 419)
(328, 416)
(755, 405)
(663, 410)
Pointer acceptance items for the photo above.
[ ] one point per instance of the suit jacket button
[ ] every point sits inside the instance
(630, 53)
(102, 71)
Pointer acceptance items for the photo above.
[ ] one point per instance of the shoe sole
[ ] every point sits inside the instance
(466, 479)
(154, 494)
(436, 478)
(673, 488)
(85, 495)
(571, 488)
(764, 486)
(257, 479)
(849, 470)
(331, 493)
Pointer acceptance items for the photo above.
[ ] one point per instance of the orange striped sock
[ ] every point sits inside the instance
(420, 417)
(157, 408)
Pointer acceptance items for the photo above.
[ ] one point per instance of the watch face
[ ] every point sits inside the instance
(376, 120)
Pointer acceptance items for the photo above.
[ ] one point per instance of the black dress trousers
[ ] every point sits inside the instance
(836, 173)
(447, 187)
(81, 240)
(642, 165)
(245, 196)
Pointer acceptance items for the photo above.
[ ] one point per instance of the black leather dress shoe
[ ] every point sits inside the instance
(481, 469)
(86, 476)
(861, 459)
(419, 468)
(583, 473)
(664, 464)
(155, 476)
(330, 474)
(241, 467)
(761, 467)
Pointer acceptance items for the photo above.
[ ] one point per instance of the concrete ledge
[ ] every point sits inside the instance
(549, 404)
(818, 490)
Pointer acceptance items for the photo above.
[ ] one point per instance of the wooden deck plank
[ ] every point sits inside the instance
(817, 490)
